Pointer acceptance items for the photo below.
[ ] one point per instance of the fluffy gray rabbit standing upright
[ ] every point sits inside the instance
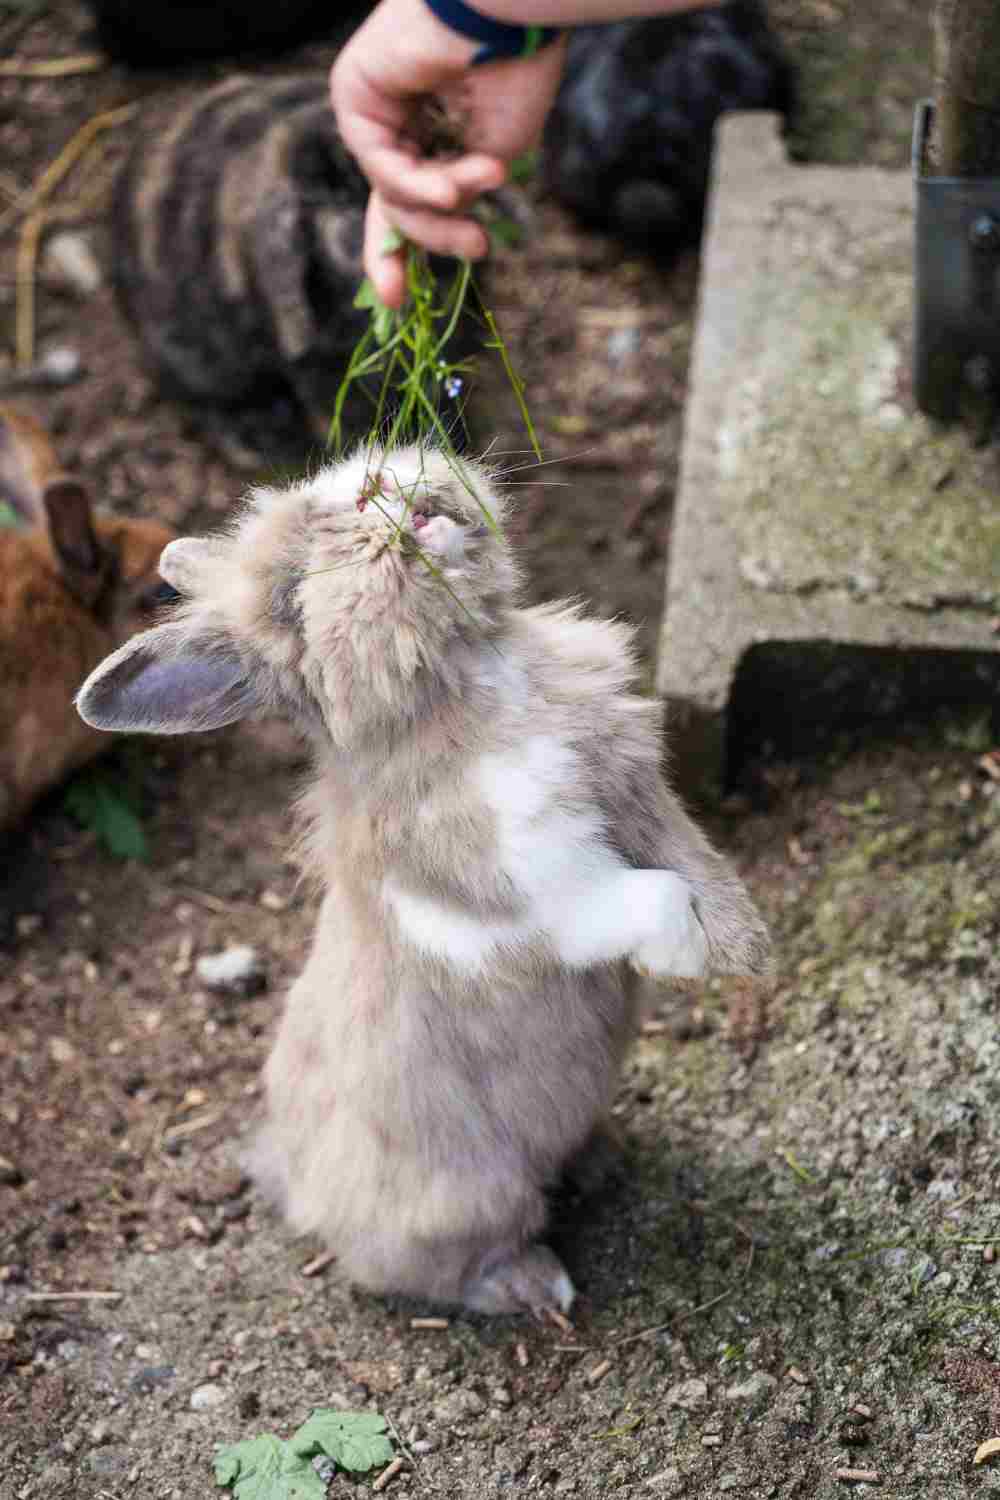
(495, 843)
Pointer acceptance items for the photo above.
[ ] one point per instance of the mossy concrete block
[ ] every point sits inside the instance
(835, 556)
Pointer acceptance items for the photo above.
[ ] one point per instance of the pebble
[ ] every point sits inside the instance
(459, 1404)
(890, 416)
(59, 366)
(236, 970)
(71, 258)
(148, 1377)
(689, 1395)
(107, 1462)
(756, 1388)
(204, 1397)
(55, 1475)
(623, 342)
(667, 1481)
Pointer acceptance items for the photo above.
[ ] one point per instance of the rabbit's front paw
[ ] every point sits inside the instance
(534, 1278)
(676, 947)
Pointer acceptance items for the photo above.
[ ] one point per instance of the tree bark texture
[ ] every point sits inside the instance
(967, 107)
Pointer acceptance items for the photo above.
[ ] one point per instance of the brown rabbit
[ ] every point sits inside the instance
(73, 585)
(495, 842)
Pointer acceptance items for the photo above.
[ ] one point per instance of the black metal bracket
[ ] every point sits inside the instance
(957, 266)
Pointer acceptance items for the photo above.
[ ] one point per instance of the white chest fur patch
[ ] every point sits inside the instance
(567, 886)
(448, 933)
(550, 850)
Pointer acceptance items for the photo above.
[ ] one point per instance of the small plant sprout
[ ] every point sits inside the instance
(106, 800)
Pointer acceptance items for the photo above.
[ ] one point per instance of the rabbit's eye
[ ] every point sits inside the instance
(158, 594)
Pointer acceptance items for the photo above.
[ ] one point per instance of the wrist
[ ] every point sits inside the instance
(493, 40)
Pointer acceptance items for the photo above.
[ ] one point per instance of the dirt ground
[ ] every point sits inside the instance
(793, 1274)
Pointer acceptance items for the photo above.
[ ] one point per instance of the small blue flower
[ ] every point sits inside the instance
(453, 387)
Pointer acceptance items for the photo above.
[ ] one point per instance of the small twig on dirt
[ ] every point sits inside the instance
(33, 206)
(67, 158)
(73, 1296)
(598, 1372)
(644, 1333)
(191, 1127)
(555, 1316)
(704, 1306)
(55, 67)
(521, 1355)
(194, 1224)
(858, 1476)
(388, 1474)
(27, 258)
(214, 903)
(10, 187)
(158, 1134)
(319, 1263)
(418, 1323)
(406, 1451)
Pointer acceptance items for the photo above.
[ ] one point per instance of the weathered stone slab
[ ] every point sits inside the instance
(835, 556)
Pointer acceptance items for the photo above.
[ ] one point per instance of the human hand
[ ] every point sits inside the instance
(401, 57)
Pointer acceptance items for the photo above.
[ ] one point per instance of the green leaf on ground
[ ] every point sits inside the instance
(105, 805)
(354, 1440)
(265, 1468)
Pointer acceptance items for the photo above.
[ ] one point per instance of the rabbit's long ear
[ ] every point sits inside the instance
(27, 462)
(86, 567)
(166, 682)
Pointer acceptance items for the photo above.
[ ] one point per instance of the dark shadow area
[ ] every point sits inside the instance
(797, 697)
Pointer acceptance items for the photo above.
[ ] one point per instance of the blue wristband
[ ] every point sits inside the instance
(499, 39)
